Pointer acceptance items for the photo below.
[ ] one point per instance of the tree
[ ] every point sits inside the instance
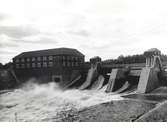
(1, 66)
(8, 65)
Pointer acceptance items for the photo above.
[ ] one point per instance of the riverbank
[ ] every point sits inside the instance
(125, 111)
(116, 111)
(150, 107)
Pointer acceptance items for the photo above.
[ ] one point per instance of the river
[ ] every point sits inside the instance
(46, 103)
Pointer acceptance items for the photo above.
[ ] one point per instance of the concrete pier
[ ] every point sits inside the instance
(117, 79)
(148, 80)
(149, 75)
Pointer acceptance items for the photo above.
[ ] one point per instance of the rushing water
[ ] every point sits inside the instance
(43, 102)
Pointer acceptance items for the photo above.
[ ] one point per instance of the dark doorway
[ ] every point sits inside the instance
(57, 79)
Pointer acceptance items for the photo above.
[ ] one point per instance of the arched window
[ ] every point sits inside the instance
(28, 59)
(33, 58)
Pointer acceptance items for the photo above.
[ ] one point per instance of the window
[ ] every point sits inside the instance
(45, 64)
(33, 65)
(22, 66)
(68, 63)
(44, 58)
(64, 63)
(72, 64)
(33, 59)
(28, 65)
(17, 66)
(50, 64)
(68, 58)
(76, 58)
(64, 58)
(22, 60)
(39, 58)
(17, 60)
(38, 65)
(82, 60)
(50, 57)
(58, 57)
(76, 63)
(28, 59)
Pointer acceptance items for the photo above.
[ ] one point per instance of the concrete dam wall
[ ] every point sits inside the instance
(140, 78)
(143, 77)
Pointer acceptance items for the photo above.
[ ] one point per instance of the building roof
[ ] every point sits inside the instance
(152, 51)
(48, 52)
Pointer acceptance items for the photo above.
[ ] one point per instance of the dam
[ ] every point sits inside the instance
(108, 90)
(67, 67)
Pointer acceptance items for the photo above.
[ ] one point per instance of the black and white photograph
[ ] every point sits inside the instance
(83, 61)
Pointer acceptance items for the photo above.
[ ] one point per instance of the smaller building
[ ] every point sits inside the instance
(48, 65)
(95, 59)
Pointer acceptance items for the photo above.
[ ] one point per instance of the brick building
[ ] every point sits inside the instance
(59, 65)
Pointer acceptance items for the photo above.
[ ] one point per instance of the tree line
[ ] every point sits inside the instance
(130, 59)
(6, 66)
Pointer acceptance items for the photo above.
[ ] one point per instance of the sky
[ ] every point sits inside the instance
(105, 28)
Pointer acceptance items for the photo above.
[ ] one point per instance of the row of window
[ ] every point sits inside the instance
(34, 65)
(68, 64)
(45, 58)
(45, 64)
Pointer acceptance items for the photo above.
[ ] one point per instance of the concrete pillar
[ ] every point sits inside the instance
(96, 62)
(149, 61)
(149, 74)
(148, 80)
(116, 74)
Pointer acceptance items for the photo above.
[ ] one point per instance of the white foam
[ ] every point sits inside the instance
(36, 102)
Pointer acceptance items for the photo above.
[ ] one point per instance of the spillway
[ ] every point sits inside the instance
(47, 103)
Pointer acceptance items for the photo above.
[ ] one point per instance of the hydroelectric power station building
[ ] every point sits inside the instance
(60, 64)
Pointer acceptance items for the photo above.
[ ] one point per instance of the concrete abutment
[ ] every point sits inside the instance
(148, 76)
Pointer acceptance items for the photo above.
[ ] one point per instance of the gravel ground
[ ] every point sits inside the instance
(116, 111)
(158, 114)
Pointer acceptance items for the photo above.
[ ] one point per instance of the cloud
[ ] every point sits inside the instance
(40, 39)
(3, 16)
(84, 33)
(8, 45)
(18, 31)
(3, 52)
(7, 42)
(106, 28)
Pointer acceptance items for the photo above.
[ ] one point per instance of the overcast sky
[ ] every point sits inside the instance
(107, 28)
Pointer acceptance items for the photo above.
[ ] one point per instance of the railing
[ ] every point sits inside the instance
(133, 66)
